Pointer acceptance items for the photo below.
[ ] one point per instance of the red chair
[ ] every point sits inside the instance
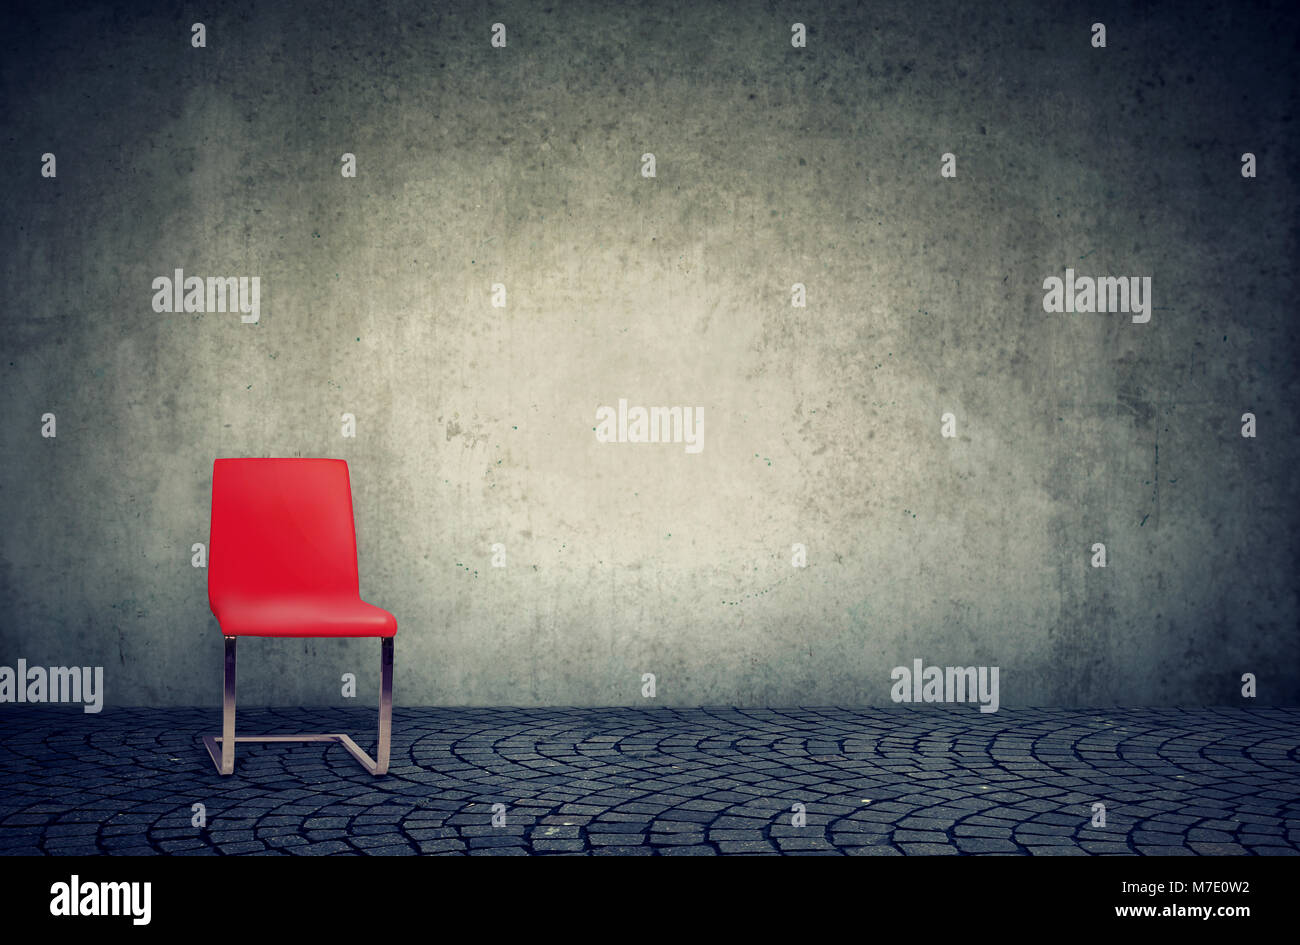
(282, 562)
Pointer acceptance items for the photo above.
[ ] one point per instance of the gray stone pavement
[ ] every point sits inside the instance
(872, 781)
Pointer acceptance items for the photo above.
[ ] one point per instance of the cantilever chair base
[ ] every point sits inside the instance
(213, 741)
(222, 747)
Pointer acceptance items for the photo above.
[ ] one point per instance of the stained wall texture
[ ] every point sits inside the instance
(475, 425)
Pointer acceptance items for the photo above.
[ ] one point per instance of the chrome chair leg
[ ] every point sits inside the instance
(223, 757)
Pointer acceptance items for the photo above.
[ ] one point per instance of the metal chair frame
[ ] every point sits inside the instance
(222, 747)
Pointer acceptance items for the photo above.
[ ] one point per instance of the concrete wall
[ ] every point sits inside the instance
(474, 425)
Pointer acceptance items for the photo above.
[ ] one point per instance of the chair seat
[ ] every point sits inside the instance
(305, 617)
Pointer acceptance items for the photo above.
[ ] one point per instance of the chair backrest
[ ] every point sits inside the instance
(281, 527)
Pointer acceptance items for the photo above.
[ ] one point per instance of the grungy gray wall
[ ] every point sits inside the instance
(474, 424)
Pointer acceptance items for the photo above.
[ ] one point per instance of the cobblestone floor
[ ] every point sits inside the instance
(937, 780)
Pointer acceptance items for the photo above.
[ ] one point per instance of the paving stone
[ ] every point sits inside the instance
(927, 849)
(746, 846)
(739, 835)
(919, 836)
(985, 845)
(875, 782)
(1101, 846)
(1217, 849)
(441, 846)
